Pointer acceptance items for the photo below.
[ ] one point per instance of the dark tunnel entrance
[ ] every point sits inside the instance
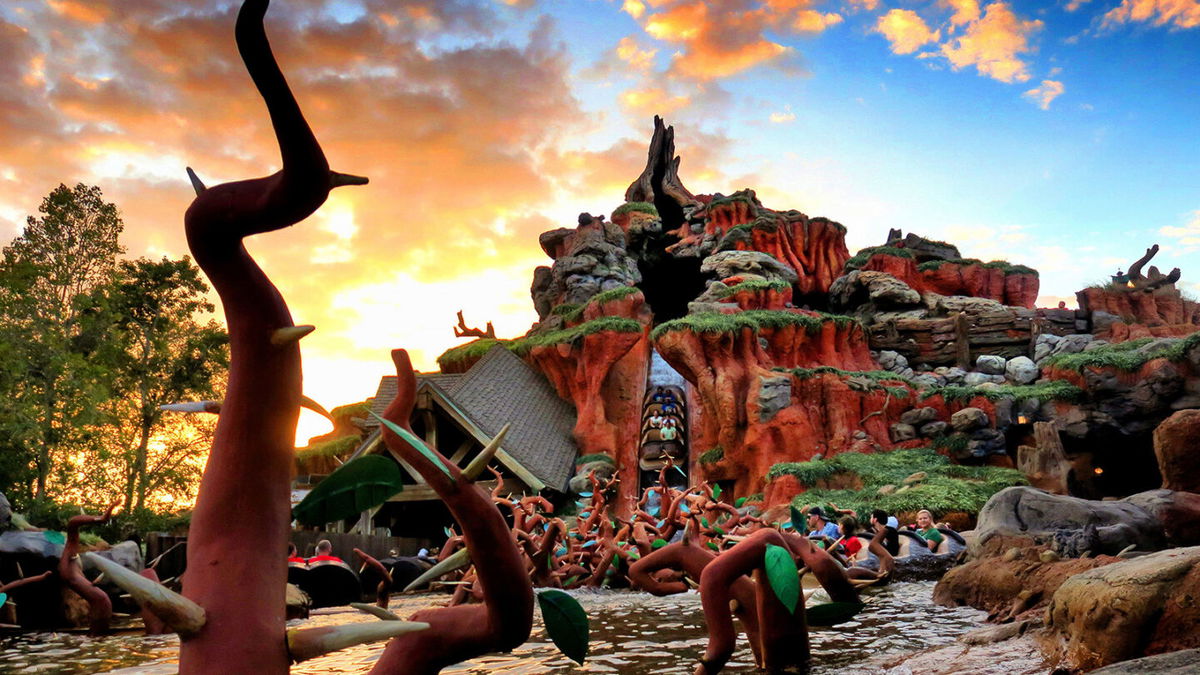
(1107, 463)
(669, 284)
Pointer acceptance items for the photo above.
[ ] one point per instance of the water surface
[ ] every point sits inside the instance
(632, 634)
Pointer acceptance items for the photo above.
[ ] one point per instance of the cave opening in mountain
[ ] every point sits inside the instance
(1107, 463)
(669, 284)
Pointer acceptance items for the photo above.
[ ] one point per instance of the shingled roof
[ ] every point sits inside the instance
(501, 388)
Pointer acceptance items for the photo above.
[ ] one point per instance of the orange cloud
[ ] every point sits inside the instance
(994, 44)
(637, 58)
(1175, 13)
(77, 11)
(652, 101)
(965, 11)
(1044, 94)
(868, 5)
(721, 38)
(1187, 235)
(905, 30)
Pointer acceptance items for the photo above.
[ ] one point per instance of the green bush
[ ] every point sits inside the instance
(565, 309)
(359, 409)
(642, 207)
(713, 455)
(715, 322)
(595, 457)
(948, 487)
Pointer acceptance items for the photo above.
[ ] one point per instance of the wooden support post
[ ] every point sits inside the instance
(962, 341)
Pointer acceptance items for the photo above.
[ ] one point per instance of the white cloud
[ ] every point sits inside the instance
(1044, 94)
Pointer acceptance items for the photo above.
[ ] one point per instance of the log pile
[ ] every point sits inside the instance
(960, 338)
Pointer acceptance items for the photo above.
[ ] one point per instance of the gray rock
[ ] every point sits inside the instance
(887, 359)
(902, 432)
(969, 419)
(955, 375)
(925, 380)
(919, 416)
(1021, 370)
(986, 442)
(1072, 344)
(1072, 526)
(732, 263)
(774, 394)
(1095, 344)
(127, 554)
(1183, 662)
(580, 483)
(977, 379)
(29, 543)
(934, 429)
(990, 364)
(886, 291)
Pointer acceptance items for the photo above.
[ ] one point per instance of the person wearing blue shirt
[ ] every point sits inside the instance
(820, 526)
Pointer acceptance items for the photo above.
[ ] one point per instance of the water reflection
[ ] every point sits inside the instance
(632, 634)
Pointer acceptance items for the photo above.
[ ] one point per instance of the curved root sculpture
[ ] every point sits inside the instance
(458, 633)
(241, 522)
(71, 573)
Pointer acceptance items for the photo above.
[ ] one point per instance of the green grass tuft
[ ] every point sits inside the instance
(596, 457)
(1123, 355)
(754, 286)
(755, 320)
(713, 455)
(331, 448)
(565, 309)
(351, 410)
(1046, 390)
(860, 259)
(641, 207)
(1007, 267)
(522, 346)
(948, 487)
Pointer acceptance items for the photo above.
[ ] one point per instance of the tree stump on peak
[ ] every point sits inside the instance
(659, 183)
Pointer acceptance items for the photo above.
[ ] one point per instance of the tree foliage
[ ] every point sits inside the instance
(90, 346)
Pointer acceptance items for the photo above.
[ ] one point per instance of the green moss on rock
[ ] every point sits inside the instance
(755, 320)
(522, 346)
(946, 488)
(1046, 390)
(640, 207)
(755, 286)
(860, 259)
(712, 456)
(1126, 356)
(1007, 267)
(331, 448)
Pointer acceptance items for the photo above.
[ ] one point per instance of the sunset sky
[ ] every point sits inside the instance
(1060, 135)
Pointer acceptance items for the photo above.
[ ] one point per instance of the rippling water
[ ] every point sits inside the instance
(632, 633)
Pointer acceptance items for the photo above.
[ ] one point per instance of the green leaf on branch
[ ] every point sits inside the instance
(658, 543)
(3, 599)
(798, 519)
(713, 546)
(740, 500)
(416, 443)
(358, 485)
(55, 537)
(566, 623)
(832, 613)
(782, 575)
(716, 493)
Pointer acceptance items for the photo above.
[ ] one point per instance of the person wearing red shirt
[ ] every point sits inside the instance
(324, 553)
(294, 556)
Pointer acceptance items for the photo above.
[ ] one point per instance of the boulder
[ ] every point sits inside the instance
(1130, 608)
(990, 364)
(969, 419)
(986, 442)
(5, 513)
(1182, 662)
(733, 263)
(1177, 447)
(1021, 370)
(933, 429)
(31, 543)
(919, 416)
(1070, 525)
(902, 432)
(977, 379)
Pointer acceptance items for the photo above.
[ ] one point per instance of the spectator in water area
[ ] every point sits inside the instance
(819, 525)
(847, 528)
(891, 538)
(293, 555)
(926, 529)
(324, 553)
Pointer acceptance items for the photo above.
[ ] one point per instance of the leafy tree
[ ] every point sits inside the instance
(51, 385)
(159, 351)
